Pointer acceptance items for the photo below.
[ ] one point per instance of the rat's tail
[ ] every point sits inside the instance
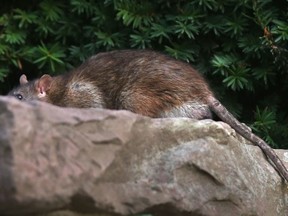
(244, 131)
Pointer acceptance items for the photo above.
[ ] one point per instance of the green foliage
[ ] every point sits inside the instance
(265, 121)
(50, 56)
(240, 46)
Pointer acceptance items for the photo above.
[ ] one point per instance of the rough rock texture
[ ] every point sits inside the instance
(102, 162)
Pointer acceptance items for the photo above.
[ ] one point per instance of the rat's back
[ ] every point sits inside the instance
(147, 82)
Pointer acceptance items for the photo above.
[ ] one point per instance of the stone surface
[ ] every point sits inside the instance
(57, 161)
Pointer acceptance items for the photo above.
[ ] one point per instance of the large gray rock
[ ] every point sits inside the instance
(94, 161)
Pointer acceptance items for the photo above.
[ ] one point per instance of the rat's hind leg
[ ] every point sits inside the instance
(193, 110)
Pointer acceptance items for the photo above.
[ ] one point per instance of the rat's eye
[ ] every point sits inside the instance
(19, 96)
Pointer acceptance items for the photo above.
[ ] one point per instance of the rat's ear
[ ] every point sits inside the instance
(44, 84)
(23, 79)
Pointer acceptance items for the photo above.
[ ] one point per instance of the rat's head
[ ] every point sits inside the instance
(32, 90)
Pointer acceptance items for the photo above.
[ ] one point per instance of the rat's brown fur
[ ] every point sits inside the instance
(143, 82)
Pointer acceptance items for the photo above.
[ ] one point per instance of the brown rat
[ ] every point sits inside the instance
(144, 82)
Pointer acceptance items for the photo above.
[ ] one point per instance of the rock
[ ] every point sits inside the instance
(64, 161)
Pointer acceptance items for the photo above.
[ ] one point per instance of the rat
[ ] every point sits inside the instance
(142, 81)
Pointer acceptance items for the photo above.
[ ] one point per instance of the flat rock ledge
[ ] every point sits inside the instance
(68, 162)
